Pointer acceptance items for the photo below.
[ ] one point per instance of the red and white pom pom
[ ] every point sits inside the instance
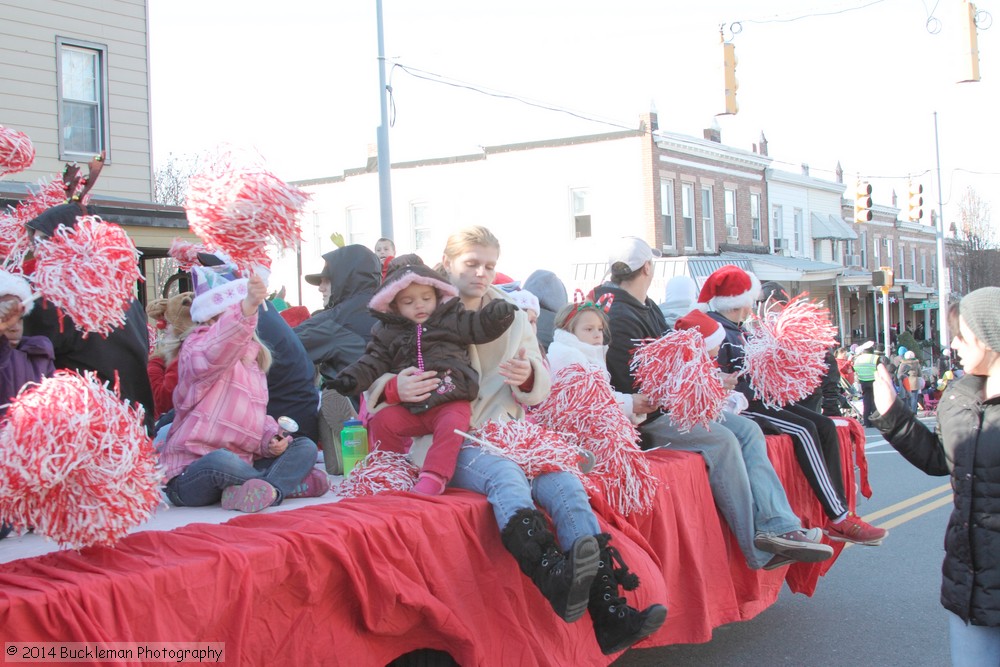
(186, 253)
(90, 273)
(535, 449)
(76, 463)
(379, 472)
(14, 242)
(239, 207)
(676, 373)
(16, 151)
(582, 407)
(785, 353)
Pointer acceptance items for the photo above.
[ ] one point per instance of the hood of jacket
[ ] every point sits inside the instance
(351, 270)
(551, 291)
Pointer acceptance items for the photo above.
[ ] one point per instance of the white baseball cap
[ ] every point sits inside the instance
(628, 254)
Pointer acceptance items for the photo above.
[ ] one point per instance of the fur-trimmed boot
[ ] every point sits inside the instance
(616, 624)
(564, 579)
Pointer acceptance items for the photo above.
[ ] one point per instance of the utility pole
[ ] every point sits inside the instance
(943, 294)
(384, 182)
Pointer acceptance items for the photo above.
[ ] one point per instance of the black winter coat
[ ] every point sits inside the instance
(442, 346)
(966, 445)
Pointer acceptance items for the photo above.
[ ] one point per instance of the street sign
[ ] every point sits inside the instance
(925, 305)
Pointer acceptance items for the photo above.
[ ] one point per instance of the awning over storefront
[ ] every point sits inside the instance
(782, 269)
(831, 227)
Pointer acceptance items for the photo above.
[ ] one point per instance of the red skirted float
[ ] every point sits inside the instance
(365, 580)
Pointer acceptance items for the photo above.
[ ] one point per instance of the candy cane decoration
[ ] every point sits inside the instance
(76, 464)
(675, 373)
(785, 352)
(237, 206)
(89, 272)
(16, 151)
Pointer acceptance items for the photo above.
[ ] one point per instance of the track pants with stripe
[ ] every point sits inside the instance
(817, 449)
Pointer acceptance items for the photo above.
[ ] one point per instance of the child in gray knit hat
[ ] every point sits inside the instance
(964, 447)
(981, 311)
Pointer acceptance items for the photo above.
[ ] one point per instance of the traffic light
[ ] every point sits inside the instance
(916, 202)
(970, 44)
(729, 64)
(882, 278)
(863, 202)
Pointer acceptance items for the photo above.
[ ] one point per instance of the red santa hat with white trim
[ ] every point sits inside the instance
(709, 329)
(727, 288)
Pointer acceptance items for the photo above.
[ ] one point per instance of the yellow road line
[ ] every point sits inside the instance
(892, 509)
(913, 514)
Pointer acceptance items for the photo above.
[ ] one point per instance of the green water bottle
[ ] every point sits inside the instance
(353, 444)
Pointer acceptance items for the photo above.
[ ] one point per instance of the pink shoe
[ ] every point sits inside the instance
(429, 484)
(315, 484)
(251, 496)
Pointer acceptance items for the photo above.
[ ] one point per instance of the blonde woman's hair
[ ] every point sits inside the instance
(264, 356)
(468, 237)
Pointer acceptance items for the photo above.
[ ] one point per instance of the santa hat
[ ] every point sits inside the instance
(215, 290)
(710, 330)
(729, 287)
(525, 300)
(14, 285)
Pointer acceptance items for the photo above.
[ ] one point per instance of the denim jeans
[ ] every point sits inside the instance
(746, 489)
(506, 488)
(973, 645)
(202, 482)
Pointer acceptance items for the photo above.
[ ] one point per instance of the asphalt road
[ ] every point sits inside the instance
(877, 606)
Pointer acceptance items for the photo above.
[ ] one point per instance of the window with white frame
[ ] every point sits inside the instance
(864, 249)
(81, 72)
(687, 213)
(777, 225)
(755, 216)
(581, 212)
(667, 212)
(420, 218)
(923, 268)
(730, 200)
(888, 251)
(707, 220)
(902, 263)
(877, 252)
(355, 223)
(798, 229)
(913, 263)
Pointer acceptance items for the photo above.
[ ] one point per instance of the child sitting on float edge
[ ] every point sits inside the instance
(423, 325)
(222, 444)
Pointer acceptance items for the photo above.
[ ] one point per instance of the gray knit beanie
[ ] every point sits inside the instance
(981, 311)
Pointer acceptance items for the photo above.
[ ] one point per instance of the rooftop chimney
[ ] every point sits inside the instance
(763, 144)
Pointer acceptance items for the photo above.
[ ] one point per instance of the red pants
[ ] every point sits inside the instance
(392, 427)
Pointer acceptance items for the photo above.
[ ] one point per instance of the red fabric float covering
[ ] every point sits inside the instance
(361, 582)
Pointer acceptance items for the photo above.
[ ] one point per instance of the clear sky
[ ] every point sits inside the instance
(298, 81)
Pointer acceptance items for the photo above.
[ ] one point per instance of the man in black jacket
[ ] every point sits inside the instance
(336, 337)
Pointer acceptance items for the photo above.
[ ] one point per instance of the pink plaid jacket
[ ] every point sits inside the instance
(221, 395)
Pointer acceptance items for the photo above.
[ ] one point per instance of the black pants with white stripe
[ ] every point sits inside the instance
(817, 449)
